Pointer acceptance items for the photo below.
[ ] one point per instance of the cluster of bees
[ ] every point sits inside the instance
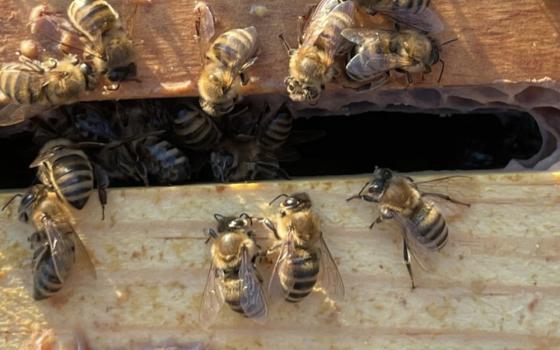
(148, 143)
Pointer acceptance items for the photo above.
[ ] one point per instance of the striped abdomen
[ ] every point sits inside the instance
(72, 175)
(232, 293)
(429, 226)
(21, 84)
(298, 274)
(166, 163)
(196, 130)
(414, 6)
(92, 17)
(342, 17)
(234, 47)
(45, 279)
(277, 131)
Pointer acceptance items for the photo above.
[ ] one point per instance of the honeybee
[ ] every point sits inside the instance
(65, 168)
(34, 86)
(379, 51)
(195, 129)
(304, 258)
(227, 58)
(164, 163)
(414, 13)
(312, 64)
(233, 278)
(98, 21)
(55, 242)
(424, 227)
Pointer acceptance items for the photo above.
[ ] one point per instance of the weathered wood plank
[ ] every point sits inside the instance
(496, 285)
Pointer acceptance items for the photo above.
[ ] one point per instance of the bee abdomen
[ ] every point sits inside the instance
(232, 293)
(234, 47)
(299, 275)
(45, 280)
(21, 86)
(73, 175)
(92, 17)
(277, 131)
(166, 162)
(196, 130)
(430, 226)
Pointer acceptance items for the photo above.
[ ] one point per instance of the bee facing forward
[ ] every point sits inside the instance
(379, 51)
(233, 278)
(98, 21)
(55, 240)
(304, 258)
(227, 59)
(424, 227)
(312, 63)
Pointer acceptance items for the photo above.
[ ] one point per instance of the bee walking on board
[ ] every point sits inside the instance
(233, 278)
(312, 64)
(304, 259)
(424, 227)
(55, 242)
(226, 60)
(380, 51)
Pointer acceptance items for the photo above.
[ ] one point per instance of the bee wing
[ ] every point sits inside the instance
(375, 63)
(329, 276)
(204, 27)
(426, 20)
(61, 248)
(421, 254)
(252, 296)
(320, 11)
(56, 34)
(286, 252)
(212, 298)
(85, 260)
(14, 113)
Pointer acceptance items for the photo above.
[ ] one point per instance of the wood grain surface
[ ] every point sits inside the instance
(504, 41)
(496, 284)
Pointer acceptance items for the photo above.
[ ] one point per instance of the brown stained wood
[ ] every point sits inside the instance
(495, 286)
(499, 41)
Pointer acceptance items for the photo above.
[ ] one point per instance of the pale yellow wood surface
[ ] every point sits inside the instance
(508, 40)
(496, 285)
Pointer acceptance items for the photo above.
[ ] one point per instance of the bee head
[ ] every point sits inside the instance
(119, 54)
(300, 92)
(218, 90)
(222, 163)
(28, 202)
(376, 187)
(293, 203)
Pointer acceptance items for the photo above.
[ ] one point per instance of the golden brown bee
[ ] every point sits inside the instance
(424, 227)
(304, 258)
(233, 278)
(227, 59)
(414, 13)
(98, 21)
(312, 63)
(55, 241)
(34, 86)
(379, 51)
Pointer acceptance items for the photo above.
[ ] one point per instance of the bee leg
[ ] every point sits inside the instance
(409, 79)
(446, 197)
(377, 221)
(406, 256)
(102, 184)
(270, 226)
(287, 46)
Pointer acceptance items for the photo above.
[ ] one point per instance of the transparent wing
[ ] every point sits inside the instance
(329, 276)
(83, 257)
(426, 20)
(204, 27)
(252, 300)
(374, 64)
(62, 248)
(212, 298)
(14, 113)
(286, 252)
(317, 16)
(421, 254)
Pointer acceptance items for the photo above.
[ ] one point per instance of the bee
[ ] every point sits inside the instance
(65, 168)
(379, 51)
(98, 21)
(55, 242)
(424, 227)
(195, 129)
(248, 157)
(304, 258)
(165, 163)
(312, 64)
(34, 86)
(227, 58)
(233, 278)
(414, 13)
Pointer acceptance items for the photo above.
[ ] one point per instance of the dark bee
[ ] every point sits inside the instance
(164, 163)
(195, 129)
(424, 227)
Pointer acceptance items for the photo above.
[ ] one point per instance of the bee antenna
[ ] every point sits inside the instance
(11, 200)
(449, 41)
(278, 197)
(442, 68)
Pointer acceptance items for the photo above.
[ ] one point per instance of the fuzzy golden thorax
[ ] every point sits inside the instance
(65, 82)
(227, 249)
(305, 226)
(218, 88)
(310, 70)
(400, 196)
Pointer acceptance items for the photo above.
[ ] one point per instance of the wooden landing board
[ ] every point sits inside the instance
(499, 41)
(496, 285)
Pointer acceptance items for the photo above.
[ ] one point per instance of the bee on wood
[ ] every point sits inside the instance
(233, 278)
(66, 168)
(226, 61)
(304, 259)
(414, 13)
(312, 64)
(380, 51)
(35, 86)
(195, 129)
(424, 227)
(55, 242)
